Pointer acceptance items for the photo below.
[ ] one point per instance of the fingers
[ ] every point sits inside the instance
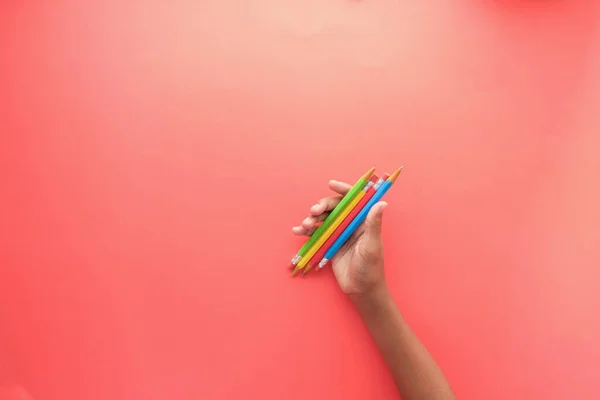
(373, 221)
(339, 187)
(302, 231)
(326, 204)
(329, 203)
(320, 211)
(299, 231)
(309, 224)
(313, 220)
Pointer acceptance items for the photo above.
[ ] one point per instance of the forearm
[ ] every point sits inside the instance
(415, 373)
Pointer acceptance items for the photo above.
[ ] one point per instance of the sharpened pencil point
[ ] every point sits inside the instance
(367, 176)
(295, 271)
(394, 176)
(308, 267)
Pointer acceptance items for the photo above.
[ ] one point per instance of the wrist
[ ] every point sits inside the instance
(376, 298)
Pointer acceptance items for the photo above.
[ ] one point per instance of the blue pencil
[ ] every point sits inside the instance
(362, 215)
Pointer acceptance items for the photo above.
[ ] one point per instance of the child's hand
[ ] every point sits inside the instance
(358, 265)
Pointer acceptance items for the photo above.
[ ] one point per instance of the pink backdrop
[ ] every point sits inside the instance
(155, 154)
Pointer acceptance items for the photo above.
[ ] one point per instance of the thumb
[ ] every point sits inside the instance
(373, 221)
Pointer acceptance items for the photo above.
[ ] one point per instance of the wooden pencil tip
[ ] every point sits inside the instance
(295, 271)
(367, 176)
(394, 176)
(308, 267)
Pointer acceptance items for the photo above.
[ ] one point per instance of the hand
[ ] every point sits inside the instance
(358, 265)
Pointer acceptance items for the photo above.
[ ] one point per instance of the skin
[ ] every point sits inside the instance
(359, 269)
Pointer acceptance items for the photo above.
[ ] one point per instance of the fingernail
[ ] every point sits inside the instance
(316, 206)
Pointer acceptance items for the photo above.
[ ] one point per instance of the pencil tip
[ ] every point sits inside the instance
(308, 267)
(367, 176)
(394, 176)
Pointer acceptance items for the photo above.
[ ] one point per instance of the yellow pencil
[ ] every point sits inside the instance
(358, 186)
(313, 250)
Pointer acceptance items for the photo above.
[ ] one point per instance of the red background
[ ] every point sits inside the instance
(154, 156)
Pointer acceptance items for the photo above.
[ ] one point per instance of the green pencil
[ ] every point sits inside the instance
(358, 186)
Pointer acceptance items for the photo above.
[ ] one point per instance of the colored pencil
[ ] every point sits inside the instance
(362, 215)
(358, 186)
(332, 228)
(321, 253)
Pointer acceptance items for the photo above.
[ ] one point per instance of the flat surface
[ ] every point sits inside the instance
(154, 156)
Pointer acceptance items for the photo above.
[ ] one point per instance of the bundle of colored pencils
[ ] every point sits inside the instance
(351, 211)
